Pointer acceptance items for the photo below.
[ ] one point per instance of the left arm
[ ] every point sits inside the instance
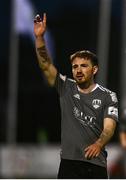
(108, 130)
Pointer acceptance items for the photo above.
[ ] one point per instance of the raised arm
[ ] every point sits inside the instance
(94, 149)
(44, 60)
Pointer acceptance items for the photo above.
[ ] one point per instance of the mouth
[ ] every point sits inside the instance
(79, 77)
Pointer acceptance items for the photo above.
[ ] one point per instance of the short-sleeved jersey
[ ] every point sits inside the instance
(82, 117)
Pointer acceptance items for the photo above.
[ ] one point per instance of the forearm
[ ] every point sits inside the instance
(105, 136)
(44, 60)
(42, 54)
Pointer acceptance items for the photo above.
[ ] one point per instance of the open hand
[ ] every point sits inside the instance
(92, 151)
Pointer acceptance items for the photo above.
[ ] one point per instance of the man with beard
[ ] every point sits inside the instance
(89, 112)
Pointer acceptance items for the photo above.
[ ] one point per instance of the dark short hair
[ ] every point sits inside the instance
(86, 55)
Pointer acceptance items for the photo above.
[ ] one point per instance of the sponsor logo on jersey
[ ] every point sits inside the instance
(96, 103)
(113, 111)
(85, 120)
(77, 96)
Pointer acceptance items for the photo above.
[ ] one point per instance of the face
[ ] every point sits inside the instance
(83, 70)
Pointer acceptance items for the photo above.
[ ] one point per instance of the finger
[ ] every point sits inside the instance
(88, 156)
(97, 154)
(44, 18)
(35, 21)
(91, 152)
(88, 152)
(87, 148)
(37, 18)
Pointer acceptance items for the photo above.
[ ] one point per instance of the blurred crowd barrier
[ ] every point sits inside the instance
(43, 161)
(116, 161)
(29, 161)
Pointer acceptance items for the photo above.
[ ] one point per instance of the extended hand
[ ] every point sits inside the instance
(39, 25)
(92, 151)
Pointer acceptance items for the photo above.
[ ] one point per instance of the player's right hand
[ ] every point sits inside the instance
(39, 25)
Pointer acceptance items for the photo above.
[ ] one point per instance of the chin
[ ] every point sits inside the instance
(80, 82)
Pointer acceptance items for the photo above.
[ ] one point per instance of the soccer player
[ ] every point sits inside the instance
(89, 112)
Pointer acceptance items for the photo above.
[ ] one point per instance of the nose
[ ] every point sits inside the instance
(79, 69)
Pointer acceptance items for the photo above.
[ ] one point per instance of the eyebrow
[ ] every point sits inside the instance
(79, 64)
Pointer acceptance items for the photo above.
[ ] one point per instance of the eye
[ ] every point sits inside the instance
(84, 65)
(74, 66)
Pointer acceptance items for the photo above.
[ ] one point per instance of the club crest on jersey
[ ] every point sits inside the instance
(96, 103)
(77, 96)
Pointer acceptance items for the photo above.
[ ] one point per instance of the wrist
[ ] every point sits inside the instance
(39, 41)
(40, 37)
(100, 144)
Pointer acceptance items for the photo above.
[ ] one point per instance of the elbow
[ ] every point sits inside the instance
(51, 82)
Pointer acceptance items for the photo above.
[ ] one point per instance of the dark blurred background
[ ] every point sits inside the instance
(29, 109)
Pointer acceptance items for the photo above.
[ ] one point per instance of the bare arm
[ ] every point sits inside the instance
(108, 131)
(122, 136)
(94, 149)
(44, 60)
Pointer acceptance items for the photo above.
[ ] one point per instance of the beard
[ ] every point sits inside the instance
(80, 79)
(83, 82)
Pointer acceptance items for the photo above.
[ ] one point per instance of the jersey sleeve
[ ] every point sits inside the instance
(111, 107)
(60, 83)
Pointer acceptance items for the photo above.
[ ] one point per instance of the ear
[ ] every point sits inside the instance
(95, 70)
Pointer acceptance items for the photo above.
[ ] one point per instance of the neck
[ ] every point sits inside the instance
(86, 87)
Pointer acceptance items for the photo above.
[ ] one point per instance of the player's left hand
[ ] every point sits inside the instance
(92, 151)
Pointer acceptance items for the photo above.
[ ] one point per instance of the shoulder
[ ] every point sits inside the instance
(71, 80)
(65, 81)
(65, 78)
(108, 93)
